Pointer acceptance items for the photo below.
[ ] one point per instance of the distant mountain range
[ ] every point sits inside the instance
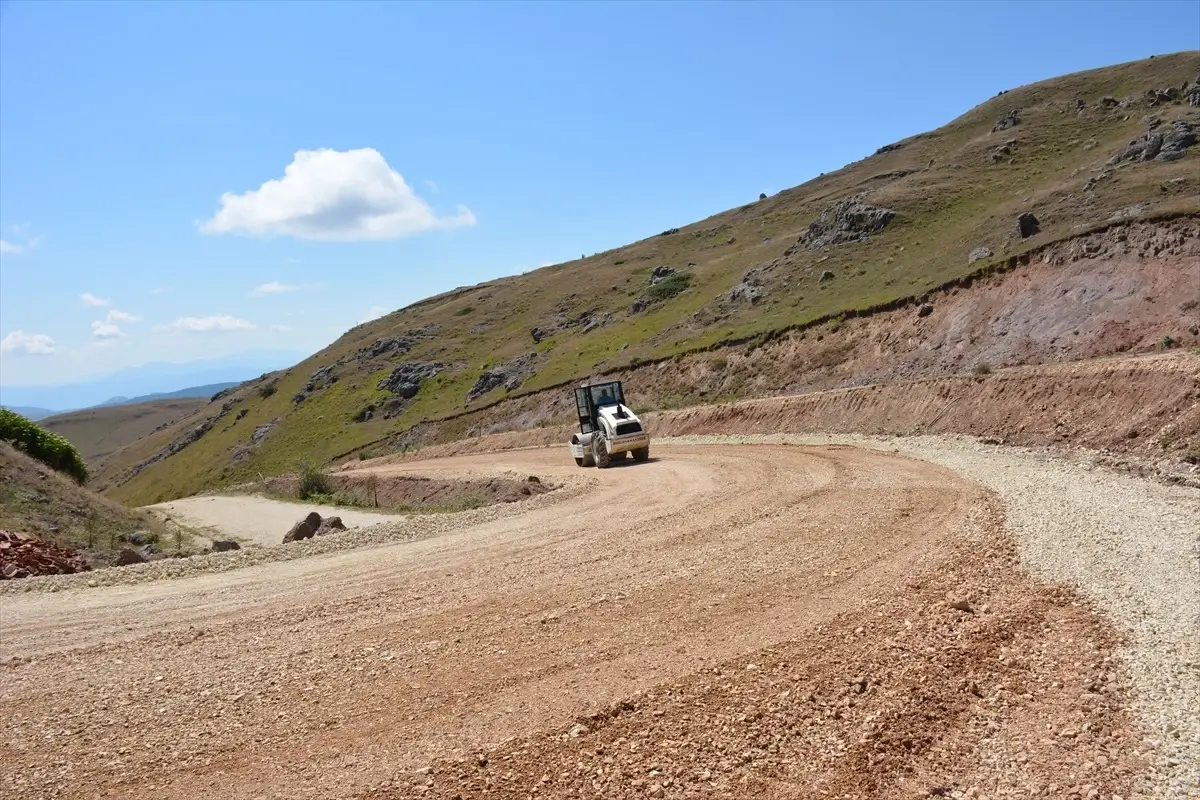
(154, 381)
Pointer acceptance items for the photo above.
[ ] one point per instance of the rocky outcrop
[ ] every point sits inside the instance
(1160, 143)
(848, 220)
(1027, 225)
(661, 273)
(406, 377)
(23, 555)
(978, 254)
(510, 374)
(225, 545)
(1009, 120)
(304, 529)
(751, 289)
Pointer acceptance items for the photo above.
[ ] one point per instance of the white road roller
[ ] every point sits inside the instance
(608, 429)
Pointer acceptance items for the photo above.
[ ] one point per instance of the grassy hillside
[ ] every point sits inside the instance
(97, 432)
(750, 270)
(38, 500)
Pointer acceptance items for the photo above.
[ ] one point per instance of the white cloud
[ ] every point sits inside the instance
(335, 196)
(34, 344)
(105, 330)
(374, 312)
(120, 316)
(275, 287)
(21, 229)
(92, 300)
(217, 323)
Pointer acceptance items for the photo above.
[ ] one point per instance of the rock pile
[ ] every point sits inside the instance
(750, 290)
(23, 555)
(847, 220)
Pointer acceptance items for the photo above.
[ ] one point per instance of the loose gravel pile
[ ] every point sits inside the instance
(1131, 546)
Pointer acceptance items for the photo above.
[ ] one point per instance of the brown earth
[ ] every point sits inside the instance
(773, 621)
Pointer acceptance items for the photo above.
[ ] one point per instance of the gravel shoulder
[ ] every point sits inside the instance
(254, 520)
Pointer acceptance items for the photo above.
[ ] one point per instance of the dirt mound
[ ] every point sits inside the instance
(23, 555)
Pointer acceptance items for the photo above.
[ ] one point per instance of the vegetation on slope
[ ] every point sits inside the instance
(51, 449)
(39, 500)
(925, 207)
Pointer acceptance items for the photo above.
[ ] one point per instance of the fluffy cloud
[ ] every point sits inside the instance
(335, 196)
(34, 344)
(120, 316)
(92, 300)
(217, 323)
(9, 247)
(105, 330)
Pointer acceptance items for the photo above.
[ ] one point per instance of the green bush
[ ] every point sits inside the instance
(313, 481)
(669, 287)
(49, 448)
(267, 389)
(462, 312)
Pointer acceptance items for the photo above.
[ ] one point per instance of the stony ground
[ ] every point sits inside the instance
(728, 620)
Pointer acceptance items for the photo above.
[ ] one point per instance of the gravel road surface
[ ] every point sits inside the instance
(727, 620)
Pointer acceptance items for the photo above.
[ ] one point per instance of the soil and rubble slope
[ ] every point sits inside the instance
(1054, 221)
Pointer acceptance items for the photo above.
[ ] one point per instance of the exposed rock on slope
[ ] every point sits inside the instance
(848, 220)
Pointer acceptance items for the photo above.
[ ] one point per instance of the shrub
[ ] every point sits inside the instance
(983, 368)
(1167, 342)
(313, 481)
(462, 312)
(267, 389)
(668, 288)
(51, 449)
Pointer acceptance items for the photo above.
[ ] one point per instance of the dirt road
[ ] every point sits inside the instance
(256, 520)
(723, 621)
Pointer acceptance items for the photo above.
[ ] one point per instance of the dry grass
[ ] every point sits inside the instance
(98, 432)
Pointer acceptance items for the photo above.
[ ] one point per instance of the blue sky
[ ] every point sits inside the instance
(143, 146)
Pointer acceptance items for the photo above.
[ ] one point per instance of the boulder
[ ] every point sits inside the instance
(925, 310)
(127, 556)
(225, 545)
(1027, 225)
(827, 275)
(304, 529)
(1159, 143)
(978, 254)
(660, 274)
(330, 525)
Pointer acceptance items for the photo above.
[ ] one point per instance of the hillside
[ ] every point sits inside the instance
(1088, 155)
(98, 432)
(37, 500)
